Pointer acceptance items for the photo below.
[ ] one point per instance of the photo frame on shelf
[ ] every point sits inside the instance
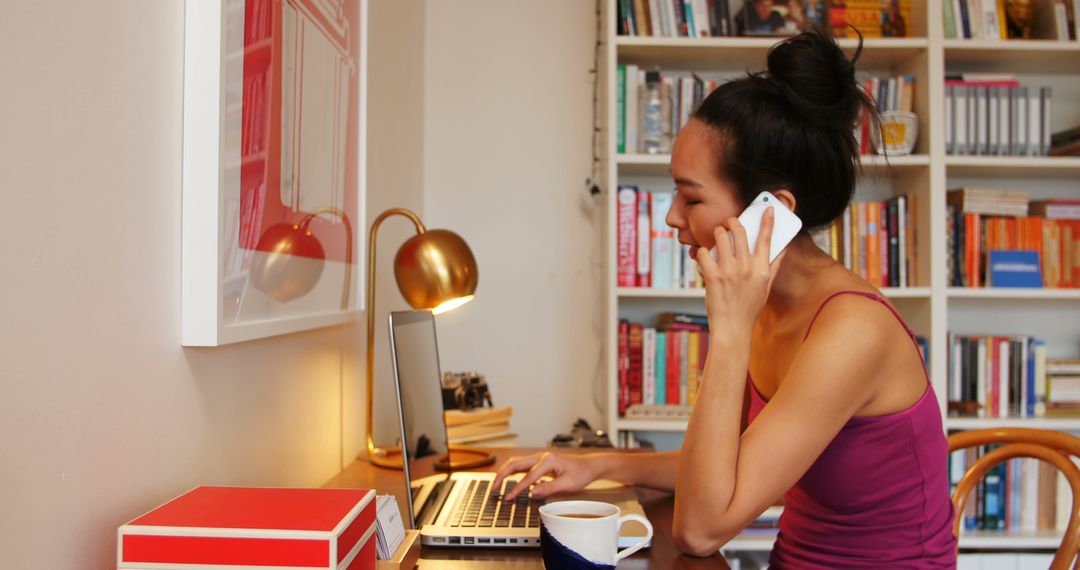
(273, 167)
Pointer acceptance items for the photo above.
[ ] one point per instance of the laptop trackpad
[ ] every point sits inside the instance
(619, 495)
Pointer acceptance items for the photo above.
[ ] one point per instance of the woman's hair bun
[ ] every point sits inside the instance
(817, 79)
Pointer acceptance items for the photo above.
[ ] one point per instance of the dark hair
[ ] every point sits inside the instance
(793, 126)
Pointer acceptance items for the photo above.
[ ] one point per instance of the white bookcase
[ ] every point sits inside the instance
(931, 307)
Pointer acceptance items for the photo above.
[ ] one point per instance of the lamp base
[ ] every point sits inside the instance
(464, 457)
(390, 458)
(460, 457)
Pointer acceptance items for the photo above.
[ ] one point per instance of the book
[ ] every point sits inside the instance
(1056, 209)
(663, 241)
(988, 201)
(456, 433)
(643, 265)
(685, 321)
(627, 236)
(456, 418)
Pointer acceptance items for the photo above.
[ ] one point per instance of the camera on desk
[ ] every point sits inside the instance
(465, 391)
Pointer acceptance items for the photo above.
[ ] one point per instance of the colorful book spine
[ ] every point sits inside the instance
(661, 367)
(643, 267)
(627, 237)
(648, 386)
(663, 241)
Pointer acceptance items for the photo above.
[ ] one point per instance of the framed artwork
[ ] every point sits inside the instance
(273, 168)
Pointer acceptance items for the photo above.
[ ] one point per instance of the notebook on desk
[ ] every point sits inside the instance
(463, 508)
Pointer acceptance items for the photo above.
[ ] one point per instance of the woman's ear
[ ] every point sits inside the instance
(785, 196)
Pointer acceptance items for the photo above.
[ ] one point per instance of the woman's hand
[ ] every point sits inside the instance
(737, 283)
(571, 473)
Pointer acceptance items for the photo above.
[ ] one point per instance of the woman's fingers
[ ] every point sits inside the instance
(764, 240)
(724, 254)
(541, 468)
(514, 465)
(738, 234)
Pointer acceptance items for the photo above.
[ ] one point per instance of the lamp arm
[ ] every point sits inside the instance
(372, 237)
(348, 245)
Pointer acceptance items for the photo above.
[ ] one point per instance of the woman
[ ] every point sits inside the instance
(814, 389)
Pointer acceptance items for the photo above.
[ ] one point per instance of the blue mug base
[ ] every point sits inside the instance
(558, 557)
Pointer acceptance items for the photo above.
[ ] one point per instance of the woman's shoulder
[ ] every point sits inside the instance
(862, 312)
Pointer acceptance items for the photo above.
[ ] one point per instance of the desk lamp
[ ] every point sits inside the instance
(435, 270)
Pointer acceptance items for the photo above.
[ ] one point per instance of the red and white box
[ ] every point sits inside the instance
(245, 527)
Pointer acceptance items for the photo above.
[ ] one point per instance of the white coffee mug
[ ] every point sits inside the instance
(588, 540)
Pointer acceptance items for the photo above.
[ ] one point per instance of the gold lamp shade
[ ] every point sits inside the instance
(436, 270)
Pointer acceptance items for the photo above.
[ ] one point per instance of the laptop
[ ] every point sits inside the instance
(462, 509)
(457, 509)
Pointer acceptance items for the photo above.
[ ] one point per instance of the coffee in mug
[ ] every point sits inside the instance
(580, 535)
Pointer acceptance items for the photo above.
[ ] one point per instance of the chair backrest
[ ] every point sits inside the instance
(1051, 446)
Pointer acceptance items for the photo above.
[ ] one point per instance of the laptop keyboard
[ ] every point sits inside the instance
(478, 507)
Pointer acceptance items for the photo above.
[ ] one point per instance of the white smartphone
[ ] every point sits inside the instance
(786, 224)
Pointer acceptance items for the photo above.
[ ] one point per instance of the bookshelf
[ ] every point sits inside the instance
(930, 305)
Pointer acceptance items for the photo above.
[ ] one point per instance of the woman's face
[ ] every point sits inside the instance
(702, 199)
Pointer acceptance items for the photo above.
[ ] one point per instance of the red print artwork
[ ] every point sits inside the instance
(299, 139)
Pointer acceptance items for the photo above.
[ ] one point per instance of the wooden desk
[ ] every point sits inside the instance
(659, 508)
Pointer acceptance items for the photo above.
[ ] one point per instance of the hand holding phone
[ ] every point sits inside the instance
(786, 224)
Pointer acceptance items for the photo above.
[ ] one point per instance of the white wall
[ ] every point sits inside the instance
(508, 103)
(102, 414)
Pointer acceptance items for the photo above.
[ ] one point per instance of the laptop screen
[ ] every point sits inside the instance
(419, 386)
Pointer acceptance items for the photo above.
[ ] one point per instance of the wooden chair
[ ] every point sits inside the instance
(1047, 445)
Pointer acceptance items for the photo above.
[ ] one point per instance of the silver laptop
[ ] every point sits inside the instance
(462, 509)
(459, 509)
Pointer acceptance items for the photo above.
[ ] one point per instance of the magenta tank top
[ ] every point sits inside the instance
(877, 497)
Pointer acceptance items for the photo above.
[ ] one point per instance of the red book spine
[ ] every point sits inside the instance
(637, 371)
(672, 378)
(627, 236)
(624, 366)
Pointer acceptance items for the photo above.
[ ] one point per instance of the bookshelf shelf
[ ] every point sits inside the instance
(1061, 424)
(1023, 166)
(658, 164)
(646, 292)
(991, 540)
(651, 425)
(1007, 294)
(748, 53)
(1025, 56)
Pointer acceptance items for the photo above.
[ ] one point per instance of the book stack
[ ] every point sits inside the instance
(478, 425)
(876, 240)
(889, 94)
(708, 18)
(992, 114)
(1065, 143)
(986, 20)
(997, 376)
(1021, 495)
(1063, 387)
(982, 220)
(872, 18)
(649, 252)
(674, 19)
(661, 365)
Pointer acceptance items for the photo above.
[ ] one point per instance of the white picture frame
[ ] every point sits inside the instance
(268, 247)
